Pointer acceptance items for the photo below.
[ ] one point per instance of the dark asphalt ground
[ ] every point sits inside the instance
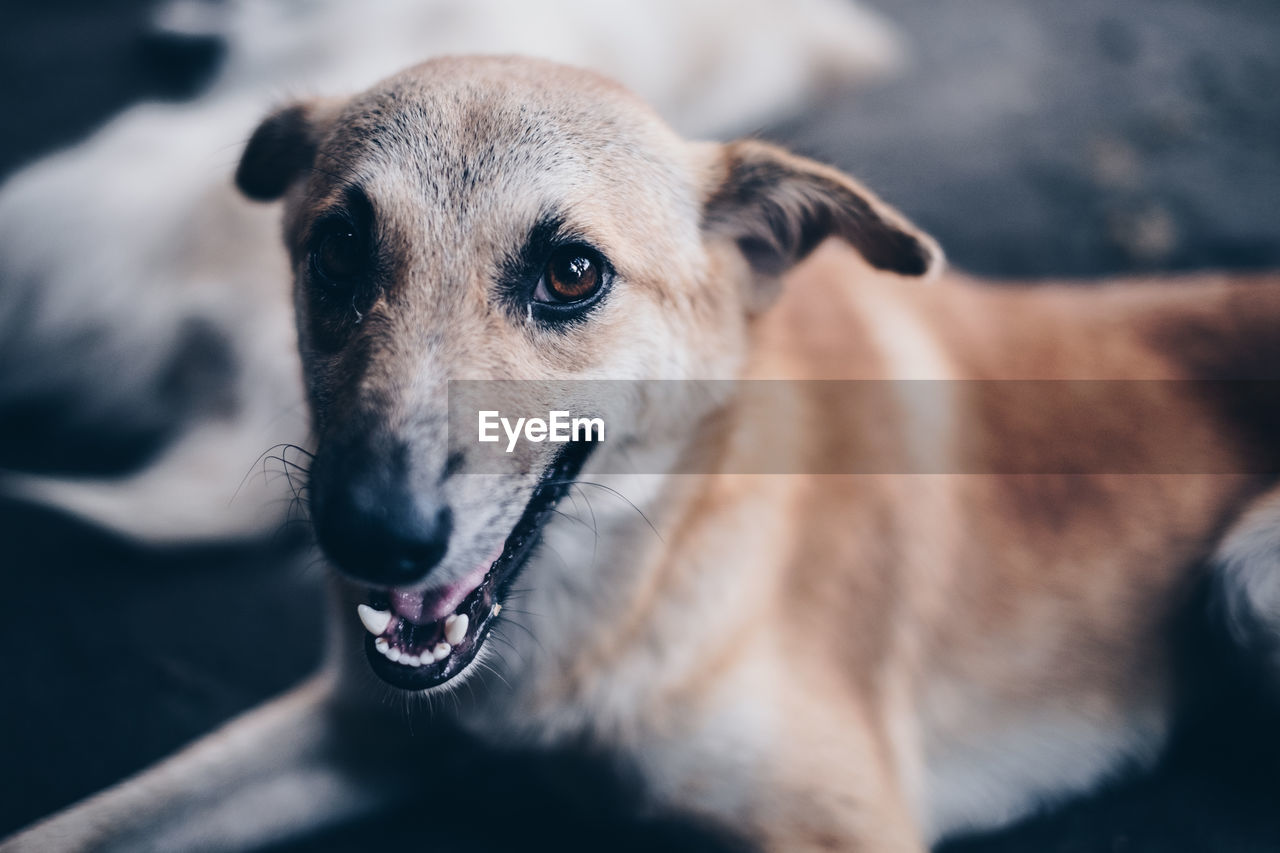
(1033, 138)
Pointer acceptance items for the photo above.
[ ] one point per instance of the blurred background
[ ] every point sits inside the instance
(1034, 139)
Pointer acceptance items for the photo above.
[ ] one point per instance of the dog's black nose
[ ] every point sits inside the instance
(372, 525)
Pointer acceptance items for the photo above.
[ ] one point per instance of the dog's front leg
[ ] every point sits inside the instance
(297, 763)
(814, 818)
(839, 785)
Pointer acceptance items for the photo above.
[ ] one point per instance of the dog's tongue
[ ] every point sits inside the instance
(423, 606)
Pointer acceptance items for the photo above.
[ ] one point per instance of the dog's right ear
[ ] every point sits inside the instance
(282, 149)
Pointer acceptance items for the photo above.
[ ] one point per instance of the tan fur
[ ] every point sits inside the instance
(818, 661)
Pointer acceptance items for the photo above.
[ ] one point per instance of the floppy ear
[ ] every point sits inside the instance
(280, 150)
(778, 207)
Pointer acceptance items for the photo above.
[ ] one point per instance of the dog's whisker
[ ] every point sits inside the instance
(629, 502)
(572, 518)
(526, 629)
(267, 456)
(483, 664)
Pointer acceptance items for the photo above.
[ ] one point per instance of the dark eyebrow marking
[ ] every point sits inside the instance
(520, 269)
(353, 205)
(545, 235)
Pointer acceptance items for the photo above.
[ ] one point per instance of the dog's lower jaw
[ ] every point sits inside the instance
(417, 656)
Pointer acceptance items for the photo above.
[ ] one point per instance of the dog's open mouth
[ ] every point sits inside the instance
(420, 639)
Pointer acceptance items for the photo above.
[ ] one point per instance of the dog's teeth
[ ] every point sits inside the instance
(455, 627)
(374, 621)
(394, 655)
(413, 661)
(381, 645)
(441, 651)
(497, 608)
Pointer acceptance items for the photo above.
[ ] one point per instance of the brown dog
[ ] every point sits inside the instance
(956, 606)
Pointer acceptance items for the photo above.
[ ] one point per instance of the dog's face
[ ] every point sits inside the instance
(509, 219)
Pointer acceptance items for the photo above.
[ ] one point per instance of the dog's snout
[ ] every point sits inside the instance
(374, 526)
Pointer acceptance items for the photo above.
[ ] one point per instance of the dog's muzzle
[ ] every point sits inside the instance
(421, 637)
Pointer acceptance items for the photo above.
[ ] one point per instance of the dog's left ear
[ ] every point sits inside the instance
(778, 207)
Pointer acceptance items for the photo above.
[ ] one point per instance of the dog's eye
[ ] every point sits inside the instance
(340, 255)
(573, 274)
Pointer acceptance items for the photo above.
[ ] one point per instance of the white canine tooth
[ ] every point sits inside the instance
(394, 655)
(374, 621)
(497, 608)
(381, 645)
(441, 651)
(455, 627)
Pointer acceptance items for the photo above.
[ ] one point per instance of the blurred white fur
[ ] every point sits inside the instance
(114, 243)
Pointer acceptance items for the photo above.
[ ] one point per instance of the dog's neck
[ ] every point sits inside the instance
(642, 582)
